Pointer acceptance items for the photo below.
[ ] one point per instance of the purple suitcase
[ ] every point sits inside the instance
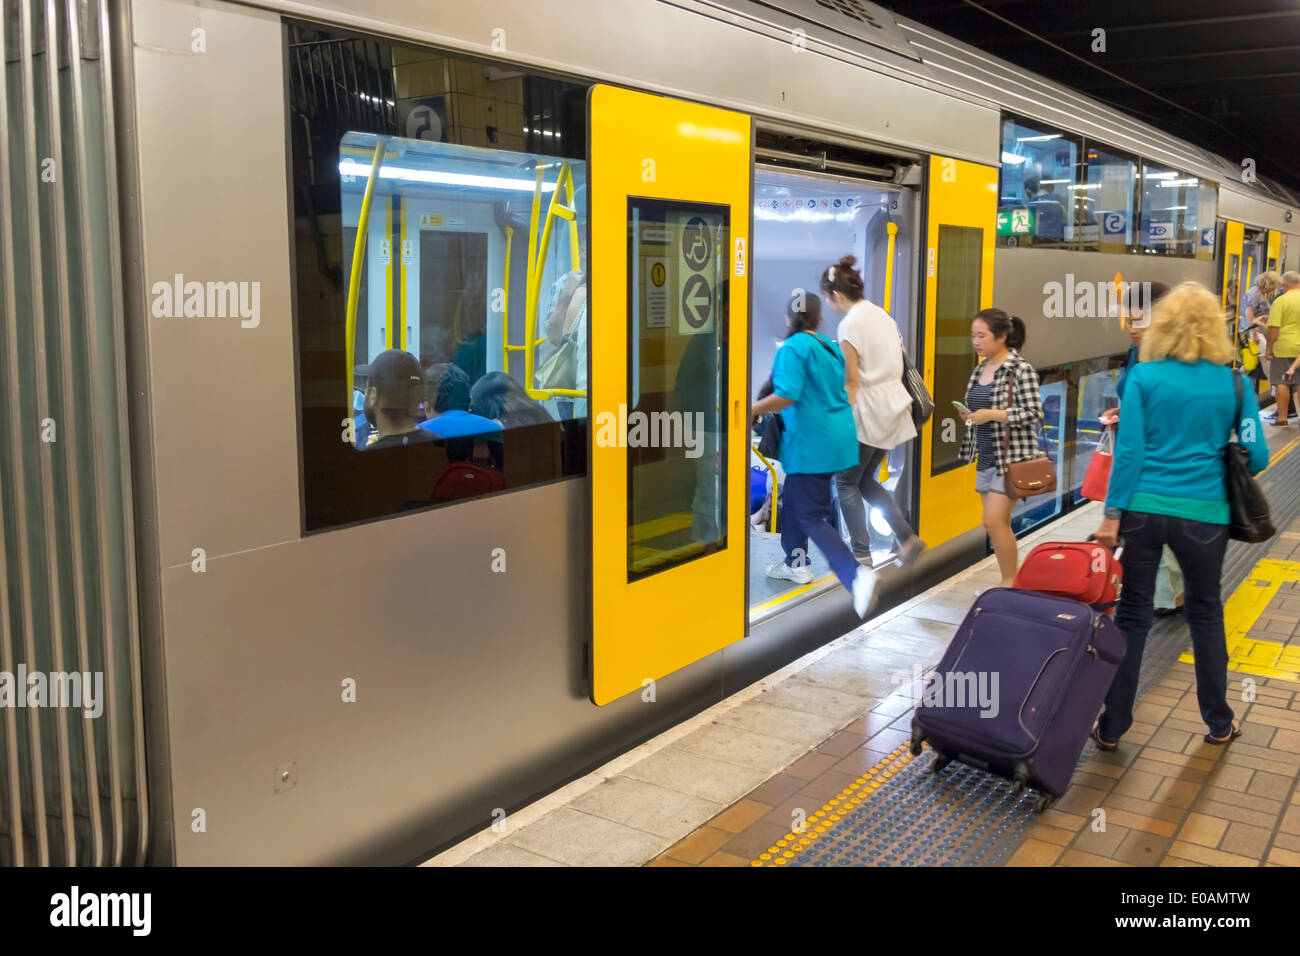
(1019, 687)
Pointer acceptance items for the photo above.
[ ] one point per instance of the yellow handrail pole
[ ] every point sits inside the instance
(772, 471)
(573, 220)
(505, 308)
(354, 282)
(892, 229)
(528, 273)
(534, 290)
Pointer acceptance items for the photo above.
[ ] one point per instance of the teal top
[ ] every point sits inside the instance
(1173, 434)
(820, 436)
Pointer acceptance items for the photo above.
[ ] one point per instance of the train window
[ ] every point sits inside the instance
(677, 445)
(1038, 187)
(1107, 204)
(440, 228)
(957, 299)
(1171, 213)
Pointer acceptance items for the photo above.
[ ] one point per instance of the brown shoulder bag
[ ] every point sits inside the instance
(1033, 476)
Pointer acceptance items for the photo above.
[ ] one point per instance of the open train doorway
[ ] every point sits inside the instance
(803, 223)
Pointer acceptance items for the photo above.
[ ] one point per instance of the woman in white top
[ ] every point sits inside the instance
(882, 407)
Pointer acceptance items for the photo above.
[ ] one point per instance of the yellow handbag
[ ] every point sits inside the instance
(1250, 356)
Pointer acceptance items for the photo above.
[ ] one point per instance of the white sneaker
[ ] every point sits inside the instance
(799, 575)
(864, 592)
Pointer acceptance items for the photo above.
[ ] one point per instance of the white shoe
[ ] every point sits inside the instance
(864, 591)
(800, 575)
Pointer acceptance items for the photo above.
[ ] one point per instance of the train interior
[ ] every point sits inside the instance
(803, 224)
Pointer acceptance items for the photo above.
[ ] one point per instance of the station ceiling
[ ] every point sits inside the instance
(1225, 76)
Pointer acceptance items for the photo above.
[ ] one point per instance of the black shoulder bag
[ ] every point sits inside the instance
(1248, 514)
(769, 446)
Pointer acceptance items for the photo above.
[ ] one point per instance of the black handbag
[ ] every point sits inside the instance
(1248, 513)
(922, 403)
(769, 446)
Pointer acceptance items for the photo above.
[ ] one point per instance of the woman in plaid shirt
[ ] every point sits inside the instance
(1003, 399)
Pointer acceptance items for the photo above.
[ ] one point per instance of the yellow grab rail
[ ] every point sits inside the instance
(772, 471)
(506, 347)
(892, 229)
(537, 264)
(354, 282)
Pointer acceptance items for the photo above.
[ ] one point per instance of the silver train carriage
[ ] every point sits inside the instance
(244, 623)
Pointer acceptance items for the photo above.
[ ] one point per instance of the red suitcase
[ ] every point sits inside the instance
(1083, 571)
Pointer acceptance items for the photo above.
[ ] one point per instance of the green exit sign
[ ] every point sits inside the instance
(1016, 221)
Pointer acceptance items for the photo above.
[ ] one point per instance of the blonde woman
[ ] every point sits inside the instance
(1168, 486)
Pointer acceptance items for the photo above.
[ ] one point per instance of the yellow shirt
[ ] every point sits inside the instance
(1285, 316)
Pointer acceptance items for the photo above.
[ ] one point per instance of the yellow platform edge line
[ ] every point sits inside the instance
(832, 811)
(782, 598)
(1243, 609)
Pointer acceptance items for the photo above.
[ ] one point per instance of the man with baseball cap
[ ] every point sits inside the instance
(394, 390)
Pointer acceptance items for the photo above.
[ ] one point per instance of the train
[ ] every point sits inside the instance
(328, 326)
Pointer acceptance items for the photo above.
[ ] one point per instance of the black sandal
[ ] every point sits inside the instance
(1105, 745)
(1220, 741)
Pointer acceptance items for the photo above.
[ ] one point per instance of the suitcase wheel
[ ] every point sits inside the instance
(918, 737)
(940, 762)
(1043, 802)
(1020, 778)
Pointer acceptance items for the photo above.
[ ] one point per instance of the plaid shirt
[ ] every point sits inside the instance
(1023, 414)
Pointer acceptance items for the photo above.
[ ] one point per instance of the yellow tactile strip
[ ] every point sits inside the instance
(1247, 654)
(833, 810)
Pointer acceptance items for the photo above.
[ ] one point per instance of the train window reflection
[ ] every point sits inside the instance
(1106, 209)
(473, 319)
(678, 273)
(1037, 186)
(957, 299)
(1171, 210)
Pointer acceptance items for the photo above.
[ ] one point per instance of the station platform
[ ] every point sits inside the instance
(812, 765)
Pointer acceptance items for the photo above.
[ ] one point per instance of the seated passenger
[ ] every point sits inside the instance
(394, 387)
(499, 397)
(446, 402)
(361, 427)
(1168, 486)
(567, 321)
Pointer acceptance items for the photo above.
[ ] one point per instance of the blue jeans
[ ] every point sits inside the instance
(1199, 548)
(809, 514)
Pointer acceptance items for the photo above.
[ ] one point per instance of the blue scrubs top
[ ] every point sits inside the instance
(820, 436)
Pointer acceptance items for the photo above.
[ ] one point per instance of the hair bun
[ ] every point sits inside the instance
(847, 262)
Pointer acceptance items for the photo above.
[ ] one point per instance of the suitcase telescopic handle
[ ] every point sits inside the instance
(1119, 548)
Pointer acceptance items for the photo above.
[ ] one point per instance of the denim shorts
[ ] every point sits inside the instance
(988, 479)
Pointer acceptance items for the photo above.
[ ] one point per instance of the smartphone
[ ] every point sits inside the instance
(962, 408)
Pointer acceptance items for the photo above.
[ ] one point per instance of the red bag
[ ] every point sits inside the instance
(1097, 478)
(1084, 571)
(465, 479)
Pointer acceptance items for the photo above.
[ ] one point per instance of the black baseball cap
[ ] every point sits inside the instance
(397, 377)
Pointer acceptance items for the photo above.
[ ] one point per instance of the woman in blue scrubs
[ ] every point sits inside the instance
(820, 438)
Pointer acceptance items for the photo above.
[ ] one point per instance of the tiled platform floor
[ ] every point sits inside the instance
(725, 787)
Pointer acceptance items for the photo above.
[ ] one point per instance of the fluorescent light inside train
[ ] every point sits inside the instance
(1014, 160)
(350, 168)
(1038, 139)
(1179, 182)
